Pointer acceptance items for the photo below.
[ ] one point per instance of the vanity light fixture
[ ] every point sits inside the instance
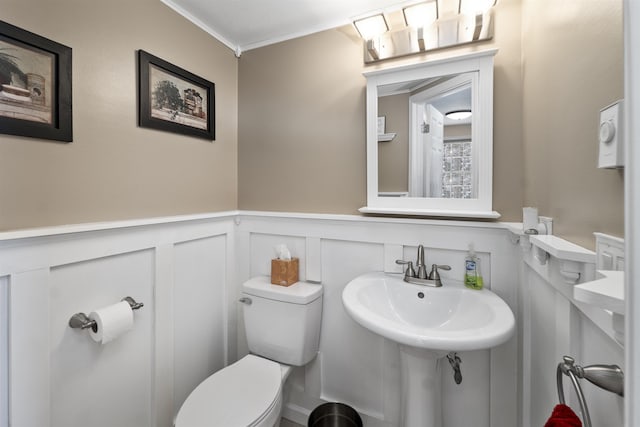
(458, 114)
(476, 12)
(370, 29)
(448, 8)
(373, 51)
(372, 26)
(429, 25)
(476, 7)
(420, 15)
(422, 44)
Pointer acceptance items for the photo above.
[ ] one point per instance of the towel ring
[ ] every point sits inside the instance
(566, 368)
(607, 377)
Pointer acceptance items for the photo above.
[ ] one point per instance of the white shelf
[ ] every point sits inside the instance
(606, 293)
(563, 249)
(431, 212)
(515, 228)
(385, 137)
(393, 194)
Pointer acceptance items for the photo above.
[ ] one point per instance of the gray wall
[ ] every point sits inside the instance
(302, 117)
(301, 125)
(302, 121)
(113, 169)
(291, 118)
(573, 67)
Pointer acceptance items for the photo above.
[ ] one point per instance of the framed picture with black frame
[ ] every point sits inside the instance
(35, 85)
(174, 100)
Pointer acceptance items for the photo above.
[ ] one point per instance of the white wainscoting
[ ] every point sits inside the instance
(554, 324)
(4, 351)
(188, 272)
(179, 268)
(356, 366)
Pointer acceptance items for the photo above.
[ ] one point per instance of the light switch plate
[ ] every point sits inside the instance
(610, 138)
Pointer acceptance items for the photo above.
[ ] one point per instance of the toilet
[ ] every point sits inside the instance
(282, 325)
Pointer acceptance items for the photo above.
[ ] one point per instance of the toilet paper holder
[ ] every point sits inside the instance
(82, 321)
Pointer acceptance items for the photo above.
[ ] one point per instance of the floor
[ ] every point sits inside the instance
(286, 423)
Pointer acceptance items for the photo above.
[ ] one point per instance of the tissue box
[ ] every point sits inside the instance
(284, 272)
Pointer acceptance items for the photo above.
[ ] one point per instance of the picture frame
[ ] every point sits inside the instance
(173, 99)
(35, 85)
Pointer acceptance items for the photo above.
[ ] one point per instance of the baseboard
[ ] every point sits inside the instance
(296, 413)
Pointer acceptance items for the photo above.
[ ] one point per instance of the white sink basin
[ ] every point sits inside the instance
(448, 318)
(428, 323)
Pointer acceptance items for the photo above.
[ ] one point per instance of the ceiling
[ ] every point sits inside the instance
(248, 24)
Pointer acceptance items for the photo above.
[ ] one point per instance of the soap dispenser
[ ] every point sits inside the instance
(472, 275)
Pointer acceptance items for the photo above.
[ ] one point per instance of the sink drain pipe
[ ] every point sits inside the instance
(454, 361)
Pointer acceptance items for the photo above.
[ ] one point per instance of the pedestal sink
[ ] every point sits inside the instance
(428, 323)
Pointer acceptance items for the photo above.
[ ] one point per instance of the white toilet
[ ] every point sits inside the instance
(283, 328)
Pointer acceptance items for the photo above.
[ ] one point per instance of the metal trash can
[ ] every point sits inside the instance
(334, 414)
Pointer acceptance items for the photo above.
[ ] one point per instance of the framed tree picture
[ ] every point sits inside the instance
(174, 100)
(35, 85)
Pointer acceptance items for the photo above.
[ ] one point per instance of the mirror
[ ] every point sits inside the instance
(422, 159)
(431, 152)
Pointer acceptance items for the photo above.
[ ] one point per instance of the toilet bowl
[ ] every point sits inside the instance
(246, 393)
(283, 329)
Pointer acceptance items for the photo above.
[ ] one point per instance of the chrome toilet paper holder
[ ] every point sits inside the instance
(82, 321)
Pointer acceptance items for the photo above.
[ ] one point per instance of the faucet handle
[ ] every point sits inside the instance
(434, 275)
(410, 271)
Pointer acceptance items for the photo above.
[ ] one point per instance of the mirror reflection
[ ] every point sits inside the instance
(425, 148)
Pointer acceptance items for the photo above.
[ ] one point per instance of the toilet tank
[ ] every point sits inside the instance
(282, 323)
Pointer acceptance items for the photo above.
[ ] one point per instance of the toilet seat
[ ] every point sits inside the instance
(244, 394)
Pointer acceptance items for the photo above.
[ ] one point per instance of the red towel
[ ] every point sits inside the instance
(563, 416)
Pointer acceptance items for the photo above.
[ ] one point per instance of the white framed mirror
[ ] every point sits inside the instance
(422, 157)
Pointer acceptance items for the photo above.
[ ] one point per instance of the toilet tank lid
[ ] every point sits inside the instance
(298, 293)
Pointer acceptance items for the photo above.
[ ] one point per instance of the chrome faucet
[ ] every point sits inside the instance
(420, 276)
(422, 270)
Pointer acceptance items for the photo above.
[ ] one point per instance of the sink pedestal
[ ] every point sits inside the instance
(421, 403)
(427, 323)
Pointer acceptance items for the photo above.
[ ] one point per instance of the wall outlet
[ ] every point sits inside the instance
(611, 142)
